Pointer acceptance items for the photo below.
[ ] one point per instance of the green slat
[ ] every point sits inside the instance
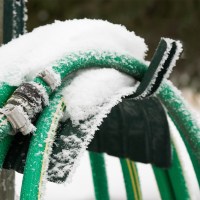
(131, 192)
(99, 176)
(177, 179)
(136, 179)
(164, 184)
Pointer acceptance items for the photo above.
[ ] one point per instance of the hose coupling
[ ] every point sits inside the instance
(51, 78)
(18, 119)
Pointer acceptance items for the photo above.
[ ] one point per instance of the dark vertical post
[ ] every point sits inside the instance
(13, 19)
(1, 22)
(11, 26)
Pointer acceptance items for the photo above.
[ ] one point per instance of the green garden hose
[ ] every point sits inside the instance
(41, 142)
(100, 182)
(186, 124)
(177, 178)
(5, 92)
(181, 116)
(131, 180)
(174, 183)
(164, 183)
(171, 182)
(40, 148)
(135, 174)
(78, 61)
(167, 94)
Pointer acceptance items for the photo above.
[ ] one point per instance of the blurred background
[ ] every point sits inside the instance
(150, 19)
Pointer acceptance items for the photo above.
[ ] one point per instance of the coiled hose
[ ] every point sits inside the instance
(168, 95)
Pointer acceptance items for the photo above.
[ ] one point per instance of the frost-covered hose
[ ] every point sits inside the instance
(64, 67)
(5, 92)
(131, 180)
(168, 94)
(173, 102)
(171, 182)
(40, 148)
(164, 183)
(189, 129)
(130, 174)
(78, 61)
(184, 121)
(99, 176)
(177, 178)
(176, 107)
(179, 181)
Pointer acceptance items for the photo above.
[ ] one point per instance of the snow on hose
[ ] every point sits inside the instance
(40, 148)
(136, 69)
(63, 63)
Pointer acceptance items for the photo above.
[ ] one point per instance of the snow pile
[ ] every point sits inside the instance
(92, 93)
(89, 98)
(93, 89)
(23, 58)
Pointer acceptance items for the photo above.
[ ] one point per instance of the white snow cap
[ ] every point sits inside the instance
(93, 92)
(22, 58)
(89, 99)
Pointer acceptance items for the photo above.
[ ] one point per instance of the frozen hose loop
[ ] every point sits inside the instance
(18, 119)
(51, 78)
